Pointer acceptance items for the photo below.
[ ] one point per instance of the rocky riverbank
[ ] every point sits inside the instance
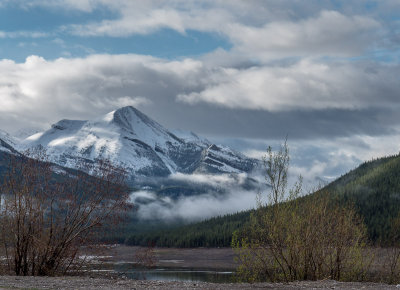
(12, 282)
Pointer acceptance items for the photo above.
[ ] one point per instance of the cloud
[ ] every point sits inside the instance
(320, 160)
(211, 195)
(304, 99)
(306, 84)
(79, 5)
(23, 34)
(262, 30)
(220, 180)
(327, 159)
(327, 32)
(259, 30)
(76, 88)
(199, 207)
(141, 22)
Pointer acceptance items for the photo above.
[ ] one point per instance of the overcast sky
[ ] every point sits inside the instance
(243, 73)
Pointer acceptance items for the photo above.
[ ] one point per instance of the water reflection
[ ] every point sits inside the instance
(174, 274)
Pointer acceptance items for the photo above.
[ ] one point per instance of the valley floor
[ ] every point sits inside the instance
(213, 258)
(12, 282)
(199, 258)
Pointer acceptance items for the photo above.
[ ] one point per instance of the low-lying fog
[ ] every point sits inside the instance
(224, 194)
(209, 195)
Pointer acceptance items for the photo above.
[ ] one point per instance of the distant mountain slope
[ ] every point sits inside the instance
(146, 148)
(7, 143)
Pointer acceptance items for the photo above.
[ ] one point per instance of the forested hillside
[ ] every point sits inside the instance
(373, 188)
(215, 232)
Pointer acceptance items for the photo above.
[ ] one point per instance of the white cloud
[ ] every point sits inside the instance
(39, 92)
(318, 161)
(262, 30)
(80, 5)
(307, 85)
(23, 34)
(199, 206)
(211, 179)
(327, 159)
(145, 23)
(86, 87)
(321, 160)
(329, 33)
(258, 30)
(193, 208)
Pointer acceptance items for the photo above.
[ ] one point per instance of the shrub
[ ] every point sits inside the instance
(295, 238)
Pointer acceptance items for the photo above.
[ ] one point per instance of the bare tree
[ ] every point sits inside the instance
(48, 213)
(276, 167)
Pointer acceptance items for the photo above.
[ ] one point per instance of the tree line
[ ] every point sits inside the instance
(214, 232)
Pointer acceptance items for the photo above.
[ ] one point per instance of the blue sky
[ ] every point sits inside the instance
(52, 39)
(245, 73)
(165, 43)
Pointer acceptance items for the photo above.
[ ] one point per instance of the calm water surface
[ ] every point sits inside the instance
(174, 274)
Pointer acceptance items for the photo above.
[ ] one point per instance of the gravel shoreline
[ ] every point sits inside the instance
(13, 282)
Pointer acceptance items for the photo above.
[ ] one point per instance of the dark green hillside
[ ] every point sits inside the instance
(215, 232)
(373, 187)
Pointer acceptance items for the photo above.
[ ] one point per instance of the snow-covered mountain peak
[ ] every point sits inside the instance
(127, 117)
(134, 124)
(66, 124)
(129, 137)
